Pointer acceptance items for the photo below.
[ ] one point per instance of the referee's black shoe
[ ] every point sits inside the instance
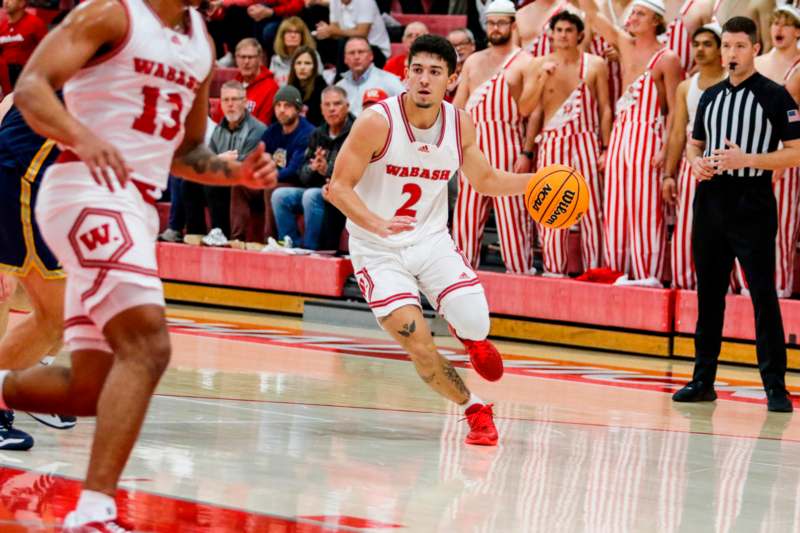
(778, 401)
(695, 391)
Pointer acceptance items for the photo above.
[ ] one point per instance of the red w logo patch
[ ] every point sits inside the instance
(97, 236)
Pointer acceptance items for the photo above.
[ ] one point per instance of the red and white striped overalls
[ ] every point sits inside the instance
(499, 135)
(570, 138)
(542, 45)
(678, 38)
(632, 209)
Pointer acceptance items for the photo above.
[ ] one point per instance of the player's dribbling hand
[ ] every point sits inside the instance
(395, 225)
(702, 169)
(258, 170)
(104, 161)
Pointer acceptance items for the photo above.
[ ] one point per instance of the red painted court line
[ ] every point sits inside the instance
(520, 419)
(35, 501)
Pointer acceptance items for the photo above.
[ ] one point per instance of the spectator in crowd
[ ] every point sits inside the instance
(356, 18)
(177, 212)
(292, 35)
(237, 134)
(256, 79)
(464, 43)
(228, 24)
(268, 15)
(286, 140)
(373, 96)
(363, 75)
(20, 32)
(397, 64)
(323, 222)
(305, 77)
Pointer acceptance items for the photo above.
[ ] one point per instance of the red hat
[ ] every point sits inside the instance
(373, 96)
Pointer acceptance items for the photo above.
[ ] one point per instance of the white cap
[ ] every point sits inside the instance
(714, 27)
(501, 7)
(656, 6)
(790, 10)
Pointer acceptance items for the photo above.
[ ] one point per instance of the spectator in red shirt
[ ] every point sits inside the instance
(397, 63)
(256, 78)
(19, 35)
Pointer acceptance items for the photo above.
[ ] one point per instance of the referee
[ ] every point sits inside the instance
(735, 147)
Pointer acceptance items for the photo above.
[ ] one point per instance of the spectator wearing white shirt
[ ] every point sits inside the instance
(356, 18)
(364, 75)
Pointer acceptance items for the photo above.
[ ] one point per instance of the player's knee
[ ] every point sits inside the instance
(424, 356)
(468, 314)
(149, 349)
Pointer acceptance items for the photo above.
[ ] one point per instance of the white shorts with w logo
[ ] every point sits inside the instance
(106, 243)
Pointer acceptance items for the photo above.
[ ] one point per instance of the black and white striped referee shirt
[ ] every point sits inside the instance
(756, 115)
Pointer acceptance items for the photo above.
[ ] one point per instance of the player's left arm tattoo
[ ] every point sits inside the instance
(203, 161)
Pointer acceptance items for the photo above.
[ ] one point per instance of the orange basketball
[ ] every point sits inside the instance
(557, 196)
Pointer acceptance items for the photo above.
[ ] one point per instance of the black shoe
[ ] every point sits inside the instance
(695, 391)
(55, 421)
(779, 401)
(10, 438)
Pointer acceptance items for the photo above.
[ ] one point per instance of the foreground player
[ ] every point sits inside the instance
(24, 157)
(136, 73)
(390, 180)
(572, 88)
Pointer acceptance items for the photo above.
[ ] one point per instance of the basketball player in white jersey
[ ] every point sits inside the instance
(572, 88)
(135, 75)
(780, 65)
(492, 82)
(632, 212)
(706, 43)
(390, 180)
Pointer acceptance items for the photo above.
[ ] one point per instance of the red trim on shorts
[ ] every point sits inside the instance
(68, 156)
(388, 137)
(455, 287)
(101, 276)
(80, 320)
(370, 283)
(117, 47)
(392, 299)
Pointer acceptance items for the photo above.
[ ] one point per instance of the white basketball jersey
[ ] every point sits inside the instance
(138, 95)
(409, 177)
(693, 100)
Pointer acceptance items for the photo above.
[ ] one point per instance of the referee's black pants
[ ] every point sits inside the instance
(737, 218)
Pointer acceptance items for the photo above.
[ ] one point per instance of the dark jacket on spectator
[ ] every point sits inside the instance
(243, 139)
(314, 102)
(288, 151)
(260, 94)
(320, 138)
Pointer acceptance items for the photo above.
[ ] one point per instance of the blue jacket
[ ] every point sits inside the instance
(288, 151)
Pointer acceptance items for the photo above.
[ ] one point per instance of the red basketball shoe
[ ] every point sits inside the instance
(485, 358)
(481, 426)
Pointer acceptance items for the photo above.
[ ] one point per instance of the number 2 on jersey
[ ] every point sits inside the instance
(415, 192)
(146, 122)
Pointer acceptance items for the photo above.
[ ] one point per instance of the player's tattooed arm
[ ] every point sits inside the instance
(203, 161)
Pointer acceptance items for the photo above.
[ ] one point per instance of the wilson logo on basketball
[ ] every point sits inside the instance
(557, 196)
(99, 236)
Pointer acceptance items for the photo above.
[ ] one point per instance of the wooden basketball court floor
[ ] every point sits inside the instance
(267, 424)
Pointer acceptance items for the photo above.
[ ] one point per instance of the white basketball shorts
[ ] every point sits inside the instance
(391, 278)
(106, 243)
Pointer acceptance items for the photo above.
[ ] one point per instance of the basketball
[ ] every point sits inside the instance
(557, 196)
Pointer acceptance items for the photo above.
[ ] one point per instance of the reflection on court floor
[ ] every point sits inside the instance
(266, 424)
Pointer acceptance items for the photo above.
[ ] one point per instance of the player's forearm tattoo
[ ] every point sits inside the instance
(453, 376)
(408, 329)
(203, 161)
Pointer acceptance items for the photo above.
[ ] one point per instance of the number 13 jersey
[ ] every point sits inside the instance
(409, 177)
(137, 95)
